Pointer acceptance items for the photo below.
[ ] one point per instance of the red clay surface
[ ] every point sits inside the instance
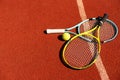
(27, 53)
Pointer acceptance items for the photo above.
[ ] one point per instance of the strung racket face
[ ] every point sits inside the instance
(107, 30)
(79, 53)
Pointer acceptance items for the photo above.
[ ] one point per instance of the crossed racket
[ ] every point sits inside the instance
(82, 49)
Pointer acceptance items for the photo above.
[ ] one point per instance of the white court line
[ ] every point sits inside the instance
(99, 64)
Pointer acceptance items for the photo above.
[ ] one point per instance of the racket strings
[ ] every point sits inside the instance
(87, 25)
(107, 31)
(79, 54)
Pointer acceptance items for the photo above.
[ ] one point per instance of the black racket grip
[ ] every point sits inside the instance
(105, 16)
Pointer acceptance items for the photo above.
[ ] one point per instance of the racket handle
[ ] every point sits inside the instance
(105, 16)
(48, 31)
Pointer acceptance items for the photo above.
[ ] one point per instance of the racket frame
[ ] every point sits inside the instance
(68, 30)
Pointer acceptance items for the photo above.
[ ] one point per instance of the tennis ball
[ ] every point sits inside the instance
(65, 36)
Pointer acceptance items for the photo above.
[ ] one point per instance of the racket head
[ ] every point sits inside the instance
(79, 53)
(108, 31)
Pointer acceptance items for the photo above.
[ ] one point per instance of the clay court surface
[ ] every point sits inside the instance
(27, 53)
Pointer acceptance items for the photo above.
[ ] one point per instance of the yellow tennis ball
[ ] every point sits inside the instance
(65, 36)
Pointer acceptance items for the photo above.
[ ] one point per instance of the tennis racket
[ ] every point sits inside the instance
(80, 53)
(108, 30)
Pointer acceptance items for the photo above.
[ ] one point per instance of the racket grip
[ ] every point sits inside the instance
(105, 16)
(48, 31)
